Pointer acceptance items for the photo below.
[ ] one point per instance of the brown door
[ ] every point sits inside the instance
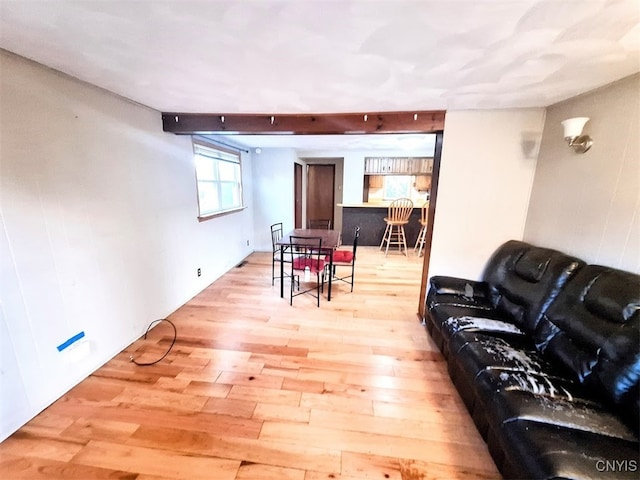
(320, 192)
(297, 201)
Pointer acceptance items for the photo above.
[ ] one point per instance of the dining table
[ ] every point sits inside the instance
(330, 241)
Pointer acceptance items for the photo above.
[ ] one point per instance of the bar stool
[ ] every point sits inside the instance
(424, 212)
(397, 217)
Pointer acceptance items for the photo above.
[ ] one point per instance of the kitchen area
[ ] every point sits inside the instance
(369, 171)
(385, 179)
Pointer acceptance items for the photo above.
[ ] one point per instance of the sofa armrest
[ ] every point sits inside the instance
(442, 285)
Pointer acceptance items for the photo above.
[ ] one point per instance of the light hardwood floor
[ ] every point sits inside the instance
(257, 389)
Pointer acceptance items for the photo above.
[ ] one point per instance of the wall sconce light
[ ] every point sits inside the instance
(573, 134)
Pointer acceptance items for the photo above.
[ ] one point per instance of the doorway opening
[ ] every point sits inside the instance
(297, 195)
(321, 181)
(340, 125)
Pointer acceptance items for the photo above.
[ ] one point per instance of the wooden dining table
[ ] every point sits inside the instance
(330, 241)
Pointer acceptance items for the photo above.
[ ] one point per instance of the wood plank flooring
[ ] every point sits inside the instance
(257, 389)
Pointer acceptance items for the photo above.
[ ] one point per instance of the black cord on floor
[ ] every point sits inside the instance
(175, 335)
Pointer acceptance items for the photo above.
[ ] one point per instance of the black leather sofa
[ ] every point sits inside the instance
(545, 353)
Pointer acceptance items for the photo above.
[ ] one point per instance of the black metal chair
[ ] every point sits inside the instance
(307, 262)
(322, 224)
(345, 258)
(276, 235)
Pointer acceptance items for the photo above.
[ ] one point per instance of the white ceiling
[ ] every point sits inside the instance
(330, 56)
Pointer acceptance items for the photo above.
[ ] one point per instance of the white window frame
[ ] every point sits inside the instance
(216, 155)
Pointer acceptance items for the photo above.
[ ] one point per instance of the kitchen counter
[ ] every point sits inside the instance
(370, 218)
(373, 205)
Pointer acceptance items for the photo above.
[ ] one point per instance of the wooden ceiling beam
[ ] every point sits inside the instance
(321, 124)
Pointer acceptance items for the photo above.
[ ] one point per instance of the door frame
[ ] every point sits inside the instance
(297, 195)
(338, 163)
(428, 121)
(333, 190)
(428, 240)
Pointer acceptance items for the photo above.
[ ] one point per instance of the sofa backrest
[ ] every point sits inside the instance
(524, 279)
(593, 330)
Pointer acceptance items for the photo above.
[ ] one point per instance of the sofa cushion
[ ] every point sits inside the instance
(456, 292)
(443, 285)
(618, 364)
(532, 265)
(614, 295)
(456, 328)
(490, 381)
(569, 355)
(617, 370)
(442, 314)
(482, 352)
(465, 337)
(493, 353)
(511, 310)
(547, 451)
(593, 330)
(453, 325)
(523, 280)
(576, 413)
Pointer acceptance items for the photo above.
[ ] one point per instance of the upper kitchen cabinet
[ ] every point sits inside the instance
(376, 181)
(378, 165)
(425, 166)
(398, 165)
(423, 183)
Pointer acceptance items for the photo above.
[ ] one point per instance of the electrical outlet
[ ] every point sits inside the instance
(199, 272)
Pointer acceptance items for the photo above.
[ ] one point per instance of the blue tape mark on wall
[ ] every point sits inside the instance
(70, 342)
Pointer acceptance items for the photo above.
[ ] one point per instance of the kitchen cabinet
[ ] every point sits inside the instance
(376, 181)
(398, 165)
(425, 166)
(423, 183)
(378, 165)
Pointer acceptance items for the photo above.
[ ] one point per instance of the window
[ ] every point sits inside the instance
(397, 186)
(219, 180)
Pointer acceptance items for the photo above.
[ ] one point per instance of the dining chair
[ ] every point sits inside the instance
(321, 224)
(345, 258)
(276, 235)
(397, 217)
(307, 263)
(424, 212)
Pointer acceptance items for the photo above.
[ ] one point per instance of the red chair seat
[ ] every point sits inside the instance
(314, 264)
(340, 256)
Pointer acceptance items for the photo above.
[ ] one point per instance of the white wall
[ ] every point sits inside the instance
(487, 168)
(272, 193)
(588, 204)
(99, 230)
